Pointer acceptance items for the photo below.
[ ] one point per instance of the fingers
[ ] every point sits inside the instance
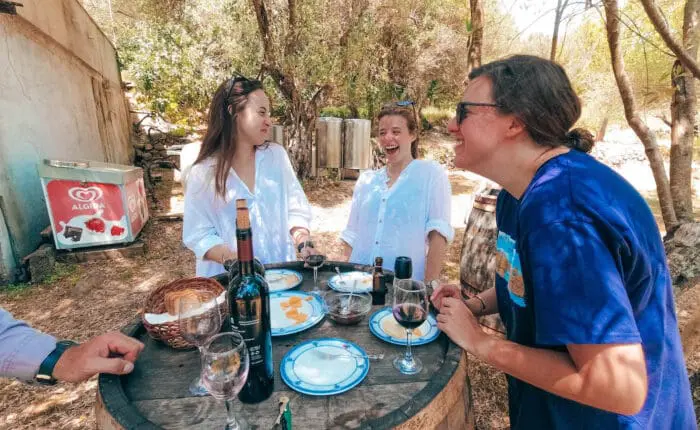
(451, 302)
(446, 290)
(128, 347)
(115, 366)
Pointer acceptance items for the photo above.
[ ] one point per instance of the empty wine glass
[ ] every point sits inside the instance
(410, 309)
(199, 319)
(224, 372)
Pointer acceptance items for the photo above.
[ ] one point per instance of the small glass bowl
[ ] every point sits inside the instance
(347, 310)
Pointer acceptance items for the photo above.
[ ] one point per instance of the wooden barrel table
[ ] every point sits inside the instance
(155, 395)
(477, 261)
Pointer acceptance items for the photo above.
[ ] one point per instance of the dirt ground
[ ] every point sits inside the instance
(84, 300)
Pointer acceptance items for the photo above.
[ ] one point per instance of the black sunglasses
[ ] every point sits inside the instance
(232, 83)
(248, 86)
(462, 109)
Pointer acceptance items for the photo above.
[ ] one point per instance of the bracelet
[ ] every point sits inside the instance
(483, 303)
(304, 244)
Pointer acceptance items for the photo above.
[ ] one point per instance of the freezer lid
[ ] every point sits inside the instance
(89, 171)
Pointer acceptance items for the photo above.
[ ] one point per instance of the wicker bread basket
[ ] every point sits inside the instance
(169, 332)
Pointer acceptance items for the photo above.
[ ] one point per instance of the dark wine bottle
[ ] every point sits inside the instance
(403, 268)
(378, 283)
(249, 302)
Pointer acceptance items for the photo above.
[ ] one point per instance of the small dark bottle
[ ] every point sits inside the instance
(403, 268)
(378, 283)
(249, 302)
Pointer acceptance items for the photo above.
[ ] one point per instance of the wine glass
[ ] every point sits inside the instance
(199, 319)
(410, 309)
(315, 261)
(224, 372)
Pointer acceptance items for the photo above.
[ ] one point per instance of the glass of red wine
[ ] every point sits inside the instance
(410, 309)
(224, 372)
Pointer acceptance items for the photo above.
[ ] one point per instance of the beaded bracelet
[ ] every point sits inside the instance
(483, 303)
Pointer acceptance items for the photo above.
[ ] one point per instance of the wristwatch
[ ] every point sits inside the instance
(433, 284)
(45, 374)
(304, 244)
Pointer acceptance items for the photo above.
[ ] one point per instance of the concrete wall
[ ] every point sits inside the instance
(60, 97)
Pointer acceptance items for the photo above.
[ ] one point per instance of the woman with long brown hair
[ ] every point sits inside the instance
(237, 162)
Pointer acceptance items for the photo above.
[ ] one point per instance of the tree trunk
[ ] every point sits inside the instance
(601, 131)
(688, 61)
(683, 109)
(641, 130)
(476, 38)
(561, 5)
(301, 135)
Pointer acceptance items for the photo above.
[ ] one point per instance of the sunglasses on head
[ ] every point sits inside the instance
(462, 111)
(402, 104)
(232, 83)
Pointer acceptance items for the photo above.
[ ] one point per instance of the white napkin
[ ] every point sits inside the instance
(154, 319)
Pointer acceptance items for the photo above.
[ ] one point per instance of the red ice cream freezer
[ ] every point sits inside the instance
(92, 203)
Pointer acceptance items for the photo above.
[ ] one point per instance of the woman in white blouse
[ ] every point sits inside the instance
(402, 209)
(236, 162)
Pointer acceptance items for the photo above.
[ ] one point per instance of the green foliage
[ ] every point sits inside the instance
(177, 52)
(337, 112)
(437, 116)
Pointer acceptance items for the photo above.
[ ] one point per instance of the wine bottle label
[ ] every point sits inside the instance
(250, 327)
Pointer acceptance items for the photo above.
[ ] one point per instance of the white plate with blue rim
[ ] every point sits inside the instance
(294, 311)
(383, 325)
(356, 282)
(324, 367)
(282, 279)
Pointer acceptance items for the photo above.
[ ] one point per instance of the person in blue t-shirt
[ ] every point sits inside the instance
(582, 283)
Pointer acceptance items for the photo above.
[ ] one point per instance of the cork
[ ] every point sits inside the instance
(242, 216)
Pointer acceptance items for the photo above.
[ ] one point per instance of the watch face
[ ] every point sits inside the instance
(66, 343)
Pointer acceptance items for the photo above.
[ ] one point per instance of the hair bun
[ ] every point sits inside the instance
(580, 139)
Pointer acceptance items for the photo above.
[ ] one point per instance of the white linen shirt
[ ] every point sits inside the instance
(277, 204)
(391, 222)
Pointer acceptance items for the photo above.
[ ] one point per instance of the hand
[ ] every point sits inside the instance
(81, 362)
(444, 291)
(308, 250)
(457, 322)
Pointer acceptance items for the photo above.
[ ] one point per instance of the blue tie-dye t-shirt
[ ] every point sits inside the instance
(580, 261)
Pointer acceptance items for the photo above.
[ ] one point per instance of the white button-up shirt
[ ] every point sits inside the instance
(277, 204)
(391, 222)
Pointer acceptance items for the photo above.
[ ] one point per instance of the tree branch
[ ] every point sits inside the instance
(292, 28)
(661, 27)
(612, 26)
(264, 28)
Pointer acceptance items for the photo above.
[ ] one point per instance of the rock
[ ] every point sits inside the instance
(140, 146)
(41, 263)
(146, 155)
(148, 147)
(683, 253)
(159, 147)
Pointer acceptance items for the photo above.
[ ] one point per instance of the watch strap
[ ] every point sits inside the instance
(45, 373)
